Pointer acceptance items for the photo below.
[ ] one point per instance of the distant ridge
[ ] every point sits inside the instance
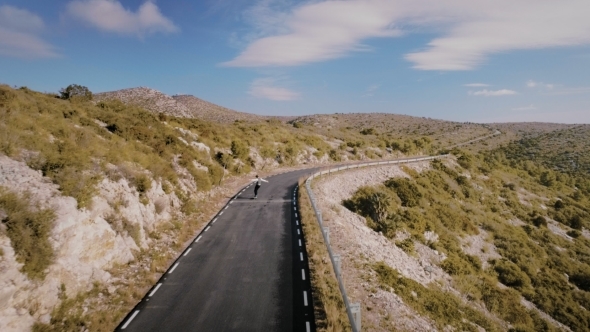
(202, 109)
(150, 99)
(186, 106)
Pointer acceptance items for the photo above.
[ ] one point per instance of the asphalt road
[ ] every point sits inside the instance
(246, 271)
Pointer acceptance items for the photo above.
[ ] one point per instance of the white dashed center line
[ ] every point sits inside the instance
(129, 320)
(155, 290)
(186, 253)
(297, 222)
(173, 268)
(206, 229)
(302, 274)
(214, 220)
(197, 240)
(301, 256)
(298, 232)
(305, 298)
(220, 213)
(307, 327)
(300, 243)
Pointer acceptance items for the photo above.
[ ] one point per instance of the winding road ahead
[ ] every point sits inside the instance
(246, 271)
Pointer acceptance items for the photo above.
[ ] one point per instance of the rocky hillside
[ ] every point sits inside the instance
(150, 99)
(467, 244)
(186, 106)
(97, 197)
(210, 112)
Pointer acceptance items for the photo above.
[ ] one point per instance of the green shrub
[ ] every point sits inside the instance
(511, 275)
(239, 149)
(28, 228)
(539, 221)
(369, 131)
(406, 245)
(373, 203)
(406, 190)
(334, 155)
(454, 265)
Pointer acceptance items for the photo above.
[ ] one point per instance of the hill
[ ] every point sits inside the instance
(566, 149)
(186, 106)
(468, 244)
(97, 197)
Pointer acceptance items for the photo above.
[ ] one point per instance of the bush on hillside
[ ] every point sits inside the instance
(75, 92)
(28, 228)
(406, 190)
(511, 275)
(373, 203)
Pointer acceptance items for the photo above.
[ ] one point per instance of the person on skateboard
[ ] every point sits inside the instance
(257, 186)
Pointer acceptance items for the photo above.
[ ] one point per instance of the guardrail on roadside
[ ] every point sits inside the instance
(353, 310)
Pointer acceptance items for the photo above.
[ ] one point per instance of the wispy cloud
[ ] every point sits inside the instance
(525, 108)
(492, 93)
(370, 91)
(316, 32)
(267, 88)
(110, 16)
(471, 31)
(535, 84)
(476, 85)
(20, 34)
(570, 91)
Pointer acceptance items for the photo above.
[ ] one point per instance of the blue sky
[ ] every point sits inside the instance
(460, 60)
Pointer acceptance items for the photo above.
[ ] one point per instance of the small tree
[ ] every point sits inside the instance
(75, 91)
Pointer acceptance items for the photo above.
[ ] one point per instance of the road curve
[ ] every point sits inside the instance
(246, 271)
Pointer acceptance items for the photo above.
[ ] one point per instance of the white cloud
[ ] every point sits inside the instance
(476, 85)
(318, 31)
(492, 93)
(110, 16)
(266, 88)
(525, 108)
(370, 91)
(470, 30)
(534, 84)
(569, 91)
(19, 34)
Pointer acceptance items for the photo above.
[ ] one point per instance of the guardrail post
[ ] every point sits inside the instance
(355, 308)
(327, 232)
(337, 260)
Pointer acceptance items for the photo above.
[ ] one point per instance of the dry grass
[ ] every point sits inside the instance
(330, 311)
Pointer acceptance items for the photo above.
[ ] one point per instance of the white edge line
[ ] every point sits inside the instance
(300, 243)
(220, 213)
(129, 320)
(301, 256)
(186, 253)
(305, 298)
(298, 232)
(155, 289)
(297, 222)
(206, 229)
(173, 268)
(307, 327)
(302, 274)
(197, 240)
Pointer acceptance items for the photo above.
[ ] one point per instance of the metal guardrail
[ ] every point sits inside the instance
(352, 309)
